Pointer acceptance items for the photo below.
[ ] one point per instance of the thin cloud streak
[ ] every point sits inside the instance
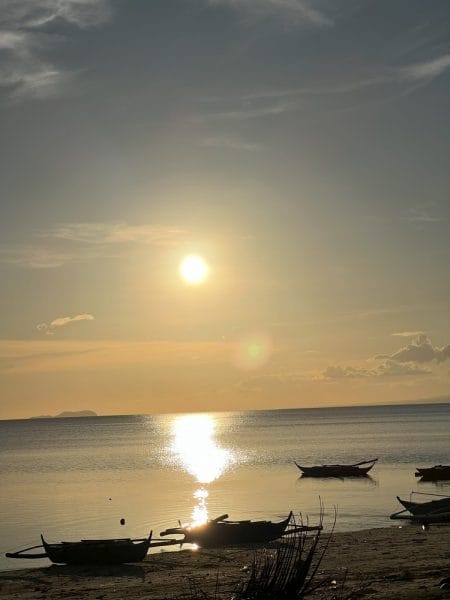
(231, 143)
(404, 79)
(408, 333)
(38, 257)
(114, 233)
(82, 242)
(62, 322)
(55, 355)
(248, 112)
(426, 70)
(297, 10)
(345, 87)
(423, 214)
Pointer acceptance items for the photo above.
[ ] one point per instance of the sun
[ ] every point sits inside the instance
(193, 269)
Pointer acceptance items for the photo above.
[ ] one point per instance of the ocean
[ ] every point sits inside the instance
(75, 478)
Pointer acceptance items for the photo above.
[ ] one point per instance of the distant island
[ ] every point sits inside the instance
(67, 414)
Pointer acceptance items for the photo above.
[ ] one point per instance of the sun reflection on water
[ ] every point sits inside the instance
(200, 512)
(194, 445)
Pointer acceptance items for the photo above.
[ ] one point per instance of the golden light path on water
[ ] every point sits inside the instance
(199, 454)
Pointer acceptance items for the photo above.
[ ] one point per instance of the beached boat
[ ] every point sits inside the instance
(90, 552)
(436, 473)
(422, 508)
(222, 532)
(432, 511)
(359, 469)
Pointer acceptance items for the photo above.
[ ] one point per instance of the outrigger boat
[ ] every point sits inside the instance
(222, 532)
(436, 473)
(93, 552)
(359, 469)
(432, 511)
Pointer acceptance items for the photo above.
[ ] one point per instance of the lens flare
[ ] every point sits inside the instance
(253, 351)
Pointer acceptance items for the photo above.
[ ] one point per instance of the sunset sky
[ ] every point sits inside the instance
(300, 148)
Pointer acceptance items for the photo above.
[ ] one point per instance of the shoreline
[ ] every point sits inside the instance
(402, 561)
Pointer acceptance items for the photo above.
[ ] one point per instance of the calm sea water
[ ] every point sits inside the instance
(76, 478)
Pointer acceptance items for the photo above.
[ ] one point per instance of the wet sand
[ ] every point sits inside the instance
(391, 563)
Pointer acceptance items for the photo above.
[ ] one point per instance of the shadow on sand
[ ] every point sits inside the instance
(128, 571)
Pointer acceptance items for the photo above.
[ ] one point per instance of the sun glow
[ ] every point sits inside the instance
(193, 269)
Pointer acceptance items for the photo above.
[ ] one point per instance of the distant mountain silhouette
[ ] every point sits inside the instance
(68, 413)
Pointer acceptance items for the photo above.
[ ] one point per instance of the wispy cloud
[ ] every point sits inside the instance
(244, 110)
(51, 355)
(231, 143)
(35, 256)
(407, 333)
(298, 11)
(114, 233)
(24, 41)
(337, 88)
(393, 81)
(426, 70)
(423, 214)
(21, 362)
(81, 242)
(50, 328)
(35, 13)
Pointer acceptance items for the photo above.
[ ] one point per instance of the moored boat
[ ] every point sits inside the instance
(360, 469)
(222, 532)
(90, 552)
(436, 473)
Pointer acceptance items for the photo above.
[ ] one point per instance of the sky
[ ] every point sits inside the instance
(300, 148)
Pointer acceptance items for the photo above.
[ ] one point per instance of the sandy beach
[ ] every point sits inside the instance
(403, 562)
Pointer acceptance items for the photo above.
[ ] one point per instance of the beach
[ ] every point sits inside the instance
(401, 562)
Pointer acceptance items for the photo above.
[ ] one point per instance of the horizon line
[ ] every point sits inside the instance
(424, 401)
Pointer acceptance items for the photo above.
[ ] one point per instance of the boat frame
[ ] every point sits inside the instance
(436, 473)
(94, 552)
(433, 511)
(223, 532)
(360, 469)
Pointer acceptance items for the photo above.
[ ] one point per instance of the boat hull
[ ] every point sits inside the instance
(336, 470)
(228, 533)
(434, 507)
(97, 552)
(436, 473)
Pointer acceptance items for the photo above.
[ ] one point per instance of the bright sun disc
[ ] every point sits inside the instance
(193, 269)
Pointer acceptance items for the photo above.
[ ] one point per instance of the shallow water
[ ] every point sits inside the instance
(76, 478)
